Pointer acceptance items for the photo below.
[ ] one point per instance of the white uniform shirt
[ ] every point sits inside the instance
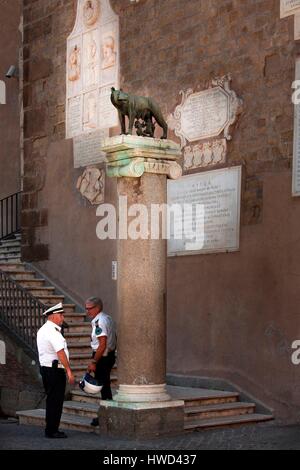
(103, 325)
(49, 342)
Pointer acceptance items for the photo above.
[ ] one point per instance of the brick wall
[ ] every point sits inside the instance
(47, 24)
(10, 178)
(181, 45)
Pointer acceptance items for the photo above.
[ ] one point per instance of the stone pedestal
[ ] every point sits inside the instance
(144, 164)
(141, 420)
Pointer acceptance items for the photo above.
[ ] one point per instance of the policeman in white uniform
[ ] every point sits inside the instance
(54, 364)
(103, 343)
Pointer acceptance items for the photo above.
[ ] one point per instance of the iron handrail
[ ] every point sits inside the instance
(20, 311)
(10, 215)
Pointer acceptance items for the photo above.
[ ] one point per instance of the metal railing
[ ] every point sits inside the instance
(10, 215)
(20, 311)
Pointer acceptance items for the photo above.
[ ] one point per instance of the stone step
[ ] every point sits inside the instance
(84, 348)
(9, 254)
(38, 291)
(17, 267)
(84, 358)
(81, 357)
(10, 244)
(9, 259)
(76, 408)
(81, 397)
(78, 338)
(72, 422)
(71, 317)
(201, 397)
(10, 251)
(16, 274)
(50, 299)
(70, 308)
(31, 282)
(216, 411)
(226, 421)
(79, 370)
(80, 327)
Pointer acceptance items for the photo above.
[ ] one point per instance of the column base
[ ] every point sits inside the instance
(142, 393)
(141, 420)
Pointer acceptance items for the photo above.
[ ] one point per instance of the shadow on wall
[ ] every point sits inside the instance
(20, 382)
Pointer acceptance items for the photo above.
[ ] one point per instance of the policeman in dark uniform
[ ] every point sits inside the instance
(103, 343)
(54, 362)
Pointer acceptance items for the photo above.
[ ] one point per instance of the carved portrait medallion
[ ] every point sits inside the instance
(91, 12)
(108, 51)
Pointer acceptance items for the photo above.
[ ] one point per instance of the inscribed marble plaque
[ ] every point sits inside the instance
(289, 7)
(217, 196)
(206, 114)
(107, 113)
(87, 149)
(92, 66)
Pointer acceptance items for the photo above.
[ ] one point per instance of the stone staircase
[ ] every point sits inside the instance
(10, 250)
(203, 408)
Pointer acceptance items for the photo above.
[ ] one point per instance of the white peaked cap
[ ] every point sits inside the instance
(55, 309)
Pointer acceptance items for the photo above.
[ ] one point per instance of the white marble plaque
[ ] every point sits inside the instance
(218, 196)
(206, 114)
(92, 65)
(75, 116)
(107, 113)
(289, 7)
(2, 92)
(297, 27)
(87, 148)
(296, 152)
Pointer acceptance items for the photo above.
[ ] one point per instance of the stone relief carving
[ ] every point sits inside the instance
(205, 154)
(74, 64)
(206, 114)
(163, 167)
(90, 111)
(91, 185)
(91, 59)
(91, 12)
(92, 67)
(108, 51)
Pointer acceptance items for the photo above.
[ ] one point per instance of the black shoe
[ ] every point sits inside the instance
(56, 435)
(95, 422)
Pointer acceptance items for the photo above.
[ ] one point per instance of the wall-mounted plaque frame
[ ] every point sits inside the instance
(206, 114)
(218, 195)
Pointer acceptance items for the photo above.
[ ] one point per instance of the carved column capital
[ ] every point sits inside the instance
(132, 156)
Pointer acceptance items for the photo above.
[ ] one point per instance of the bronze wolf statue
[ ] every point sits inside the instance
(138, 108)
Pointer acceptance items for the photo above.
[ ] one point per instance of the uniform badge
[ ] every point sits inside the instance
(98, 331)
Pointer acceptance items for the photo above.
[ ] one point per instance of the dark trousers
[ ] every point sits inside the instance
(103, 370)
(54, 381)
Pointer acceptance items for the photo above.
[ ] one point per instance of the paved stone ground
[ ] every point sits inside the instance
(268, 436)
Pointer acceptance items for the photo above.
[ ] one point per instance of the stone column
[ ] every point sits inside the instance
(142, 166)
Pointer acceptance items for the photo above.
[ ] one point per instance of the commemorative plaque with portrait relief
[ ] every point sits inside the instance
(92, 70)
